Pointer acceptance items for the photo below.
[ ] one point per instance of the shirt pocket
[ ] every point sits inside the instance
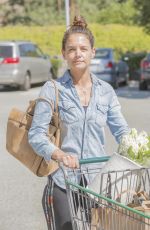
(68, 112)
(101, 114)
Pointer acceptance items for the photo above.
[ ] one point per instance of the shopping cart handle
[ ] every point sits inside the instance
(94, 160)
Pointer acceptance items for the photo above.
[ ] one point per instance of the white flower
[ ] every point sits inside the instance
(134, 133)
(134, 143)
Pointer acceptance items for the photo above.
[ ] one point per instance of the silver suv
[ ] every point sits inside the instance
(107, 68)
(22, 63)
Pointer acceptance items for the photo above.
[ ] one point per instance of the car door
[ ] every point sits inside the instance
(147, 67)
(44, 64)
(29, 61)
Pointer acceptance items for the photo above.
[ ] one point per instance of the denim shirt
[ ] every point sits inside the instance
(82, 132)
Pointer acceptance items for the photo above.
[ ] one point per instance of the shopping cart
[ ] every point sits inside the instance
(104, 210)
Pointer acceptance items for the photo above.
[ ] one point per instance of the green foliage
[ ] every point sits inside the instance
(136, 146)
(56, 64)
(119, 13)
(133, 60)
(108, 11)
(90, 6)
(46, 12)
(143, 13)
(49, 38)
(33, 12)
(121, 38)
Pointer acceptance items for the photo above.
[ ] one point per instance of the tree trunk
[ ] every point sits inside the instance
(59, 5)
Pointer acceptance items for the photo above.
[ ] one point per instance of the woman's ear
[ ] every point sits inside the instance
(93, 52)
(63, 53)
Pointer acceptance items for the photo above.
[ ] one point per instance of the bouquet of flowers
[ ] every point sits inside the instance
(136, 147)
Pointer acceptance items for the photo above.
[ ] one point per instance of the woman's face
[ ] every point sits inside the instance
(78, 52)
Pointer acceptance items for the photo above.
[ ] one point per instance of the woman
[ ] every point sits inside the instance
(86, 104)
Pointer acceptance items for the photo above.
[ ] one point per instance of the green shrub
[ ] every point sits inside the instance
(119, 13)
(133, 60)
(120, 37)
(56, 64)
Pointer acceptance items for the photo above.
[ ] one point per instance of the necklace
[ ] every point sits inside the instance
(84, 94)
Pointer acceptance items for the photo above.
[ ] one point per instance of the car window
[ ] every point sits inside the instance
(26, 50)
(29, 50)
(102, 54)
(6, 51)
(22, 49)
(38, 51)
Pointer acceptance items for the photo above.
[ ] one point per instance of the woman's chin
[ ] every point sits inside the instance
(79, 66)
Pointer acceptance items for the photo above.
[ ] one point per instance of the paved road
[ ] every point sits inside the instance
(135, 106)
(20, 191)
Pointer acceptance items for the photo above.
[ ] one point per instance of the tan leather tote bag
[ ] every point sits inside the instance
(17, 145)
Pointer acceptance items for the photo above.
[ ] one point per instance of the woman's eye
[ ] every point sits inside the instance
(84, 49)
(71, 49)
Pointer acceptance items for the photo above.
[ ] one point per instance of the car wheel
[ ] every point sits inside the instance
(27, 83)
(126, 82)
(143, 85)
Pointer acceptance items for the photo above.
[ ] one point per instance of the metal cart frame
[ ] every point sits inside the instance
(93, 211)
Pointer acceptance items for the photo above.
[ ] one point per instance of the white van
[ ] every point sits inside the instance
(22, 64)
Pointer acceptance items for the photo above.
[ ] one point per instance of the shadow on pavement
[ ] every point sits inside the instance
(8, 89)
(14, 89)
(132, 91)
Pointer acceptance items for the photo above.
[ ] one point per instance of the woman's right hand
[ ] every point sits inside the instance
(67, 159)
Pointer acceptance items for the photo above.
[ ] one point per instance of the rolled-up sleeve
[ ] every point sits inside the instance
(116, 120)
(37, 135)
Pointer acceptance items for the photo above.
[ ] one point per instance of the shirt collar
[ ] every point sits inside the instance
(67, 78)
(95, 80)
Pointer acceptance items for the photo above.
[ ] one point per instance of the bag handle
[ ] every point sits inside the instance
(56, 98)
(56, 101)
(48, 101)
(56, 95)
(45, 99)
(38, 99)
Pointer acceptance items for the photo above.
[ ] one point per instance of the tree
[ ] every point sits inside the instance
(121, 12)
(143, 13)
(35, 12)
(45, 12)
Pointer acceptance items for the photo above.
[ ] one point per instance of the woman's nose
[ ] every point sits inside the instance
(78, 52)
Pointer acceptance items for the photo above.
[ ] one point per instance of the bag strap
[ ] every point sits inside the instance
(56, 98)
(56, 101)
(39, 99)
(48, 101)
(45, 99)
(56, 95)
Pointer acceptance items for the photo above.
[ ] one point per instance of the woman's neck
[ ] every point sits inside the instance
(81, 79)
(83, 85)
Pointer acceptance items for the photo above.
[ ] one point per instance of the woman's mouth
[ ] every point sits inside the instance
(77, 62)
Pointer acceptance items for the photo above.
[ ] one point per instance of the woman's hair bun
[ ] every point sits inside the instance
(79, 25)
(79, 21)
